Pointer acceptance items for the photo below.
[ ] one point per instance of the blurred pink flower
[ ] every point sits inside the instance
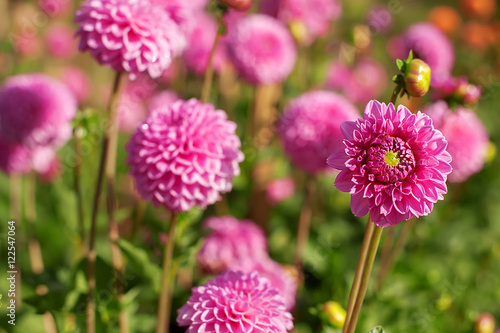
(261, 49)
(316, 15)
(394, 164)
(51, 172)
(235, 302)
(232, 244)
(77, 81)
(184, 155)
(130, 35)
(457, 89)
(380, 19)
(429, 44)
(55, 8)
(365, 81)
(162, 98)
(309, 128)
(60, 41)
(467, 139)
(201, 41)
(36, 110)
(14, 159)
(279, 190)
(29, 46)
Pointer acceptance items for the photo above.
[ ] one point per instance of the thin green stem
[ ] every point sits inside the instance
(209, 73)
(370, 227)
(304, 222)
(394, 95)
(165, 300)
(77, 171)
(365, 277)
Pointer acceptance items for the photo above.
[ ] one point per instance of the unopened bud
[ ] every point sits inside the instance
(335, 313)
(417, 78)
(237, 4)
(485, 323)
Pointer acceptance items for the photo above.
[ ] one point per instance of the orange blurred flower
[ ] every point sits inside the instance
(481, 9)
(445, 18)
(478, 35)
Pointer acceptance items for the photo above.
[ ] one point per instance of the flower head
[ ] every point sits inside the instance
(129, 35)
(261, 49)
(314, 15)
(14, 159)
(467, 139)
(60, 41)
(77, 81)
(394, 164)
(235, 302)
(231, 244)
(432, 46)
(36, 110)
(279, 190)
(184, 155)
(310, 128)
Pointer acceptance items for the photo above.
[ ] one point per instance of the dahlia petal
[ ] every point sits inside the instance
(343, 181)
(359, 205)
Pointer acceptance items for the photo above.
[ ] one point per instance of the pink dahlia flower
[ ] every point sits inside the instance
(279, 277)
(365, 81)
(60, 41)
(129, 35)
(184, 155)
(457, 90)
(467, 139)
(316, 15)
(162, 99)
(394, 164)
(77, 81)
(261, 49)
(432, 46)
(14, 159)
(310, 128)
(232, 244)
(235, 302)
(36, 110)
(200, 45)
(279, 190)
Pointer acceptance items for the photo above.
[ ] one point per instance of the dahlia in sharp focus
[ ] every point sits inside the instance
(261, 49)
(235, 302)
(129, 35)
(36, 110)
(310, 128)
(432, 46)
(232, 244)
(467, 139)
(184, 155)
(394, 164)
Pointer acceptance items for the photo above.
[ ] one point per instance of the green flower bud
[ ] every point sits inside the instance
(485, 323)
(417, 78)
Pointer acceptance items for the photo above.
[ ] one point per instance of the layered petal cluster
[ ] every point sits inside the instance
(231, 244)
(261, 49)
(467, 138)
(394, 164)
(36, 110)
(360, 83)
(184, 155)
(310, 128)
(240, 245)
(130, 35)
(314, 15)
(432, 46)
(235, 302)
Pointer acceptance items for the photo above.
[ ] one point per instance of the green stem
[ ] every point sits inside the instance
(165, 300)
(209, 73)
(370, 227)
(365, 277)
(304, 222)
(394, 95)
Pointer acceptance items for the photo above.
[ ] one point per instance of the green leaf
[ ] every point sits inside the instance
(401, 64)
(378, 329)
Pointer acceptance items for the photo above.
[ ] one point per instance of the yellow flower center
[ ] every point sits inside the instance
(391, 158)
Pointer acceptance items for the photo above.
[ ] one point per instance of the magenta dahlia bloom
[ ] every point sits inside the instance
(309, 128)
(432, 46)
(36, 110)
(394, 164)
(201, 41)
(467, 139)
(261, 49)
(130, 35)
(184, 155)
(232, 244)
(315, 15)
(235, 302)
(14, 159)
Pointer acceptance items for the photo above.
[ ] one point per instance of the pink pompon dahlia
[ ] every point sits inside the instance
(310, 128)
(314, 15)
(432, 46)
(14, 159)
(261, 49)
(394, 164)
(36, 110)
(184, 155)
(467, 139)
(235, 302)
(232, 243)
(130, 35)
